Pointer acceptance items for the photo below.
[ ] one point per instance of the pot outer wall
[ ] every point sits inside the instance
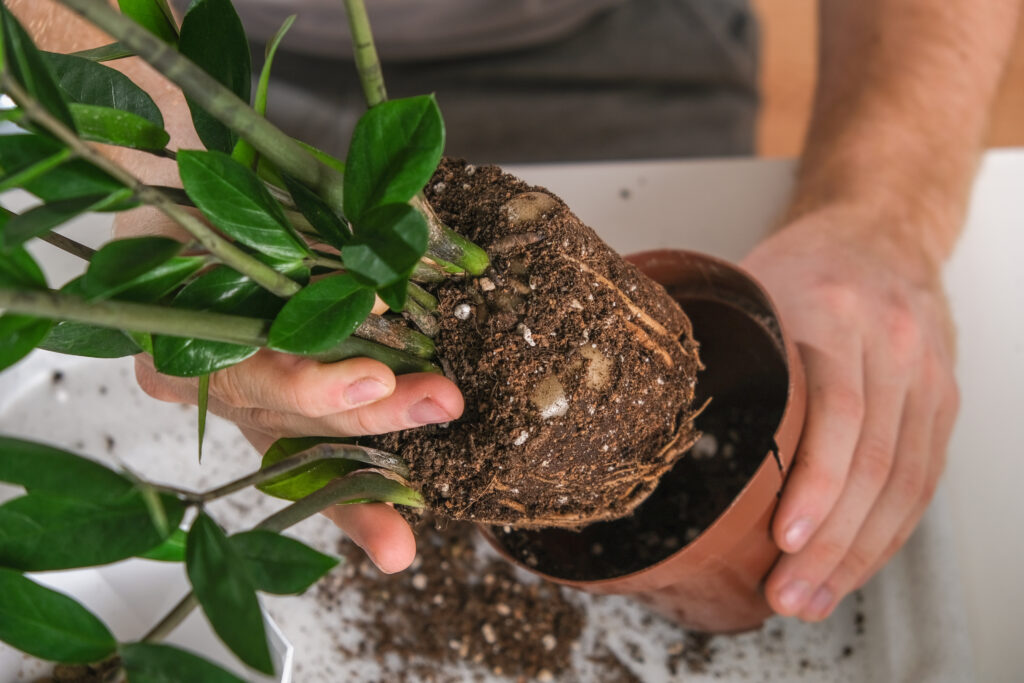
(715, 582)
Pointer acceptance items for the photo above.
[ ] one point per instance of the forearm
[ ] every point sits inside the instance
(57, 29)
(901, 109)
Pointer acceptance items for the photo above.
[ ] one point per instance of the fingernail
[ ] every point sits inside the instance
(792, 597)
(819, 604)
(427, 411)
(365, 390)
(798, 533)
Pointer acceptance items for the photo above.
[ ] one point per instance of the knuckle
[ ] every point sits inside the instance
(821, 480)
(909, 482)
(844, 403)
(874, 461)
(841, 299)
(298, 391)
(855, 563)
(154, 385)
(829, 552)
(903, 331)
(224, 385)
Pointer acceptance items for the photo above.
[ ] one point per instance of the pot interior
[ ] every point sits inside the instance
(746, 380)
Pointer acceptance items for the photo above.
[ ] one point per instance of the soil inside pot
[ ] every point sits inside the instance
(578, 371)
(746, 379)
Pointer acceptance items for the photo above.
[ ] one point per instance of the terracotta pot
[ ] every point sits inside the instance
(714, 582)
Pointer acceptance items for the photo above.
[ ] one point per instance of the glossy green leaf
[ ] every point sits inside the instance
(86, 82)
(27, 66)
(395, 148)
(278, 564)
(171, 550)
(19, 334)
(395, 294)
(388, 243)
(154, 15)
(226, 593)
(140, 269)
(18, 270)
(331, 228)
(46, 217)
(235, 200)
(48, 624)
(223, 290)
(40, 532)
(79, 339)
(116, 127)
(212, 36)
(45, 469)
(321, 315)
(157, 663)
(203, 403)
(72, 179)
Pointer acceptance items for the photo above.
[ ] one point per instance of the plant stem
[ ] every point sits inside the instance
(224, 250)
(367, 64)
(104, 53)
(422, 297)
(219, 101)
(397, 336)
(429, 273)
(69, 245)
(179, 322)
(304, 458)
(173, 618)
(448, 245)
(420, 316)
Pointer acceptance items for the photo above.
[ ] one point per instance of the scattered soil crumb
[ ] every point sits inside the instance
(612, 668)
(455, 607)
(694, 652)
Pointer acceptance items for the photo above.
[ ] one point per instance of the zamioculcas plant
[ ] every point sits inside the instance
(578, 371)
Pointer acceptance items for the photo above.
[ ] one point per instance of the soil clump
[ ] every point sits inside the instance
(578, 371)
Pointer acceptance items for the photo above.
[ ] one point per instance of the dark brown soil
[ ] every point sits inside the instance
(738, 427)
(455, 606)
(578, 371)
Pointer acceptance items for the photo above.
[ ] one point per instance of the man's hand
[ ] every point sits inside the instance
(274, 395)
(871, 323)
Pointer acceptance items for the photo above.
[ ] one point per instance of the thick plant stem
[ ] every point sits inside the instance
(368, 65)
(383, 331)
(447, 245)
(224, 250)
(234, 329)
(219, 101)
(419, 316)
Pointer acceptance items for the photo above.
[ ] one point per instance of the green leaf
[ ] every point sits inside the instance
(156, 663)
(395, 295)
(140, 269)
(116, 127)
(278, 564)
(212, 36)
(223, 290)
(18, 270)
(389, 240)
(79, 339)
(171, 550)
(41, 532)
(331, 228)
(48, 624)
(321, 315)
(27, 67)
(204, 404)
(395, 148)
(329, 161)
(87, 82)
(46, 217)
(19, 334)
(244, 152)
(226, 593)
(35, 171)
(154, 15)
(235, 200)
(72, 179)
(53, 471)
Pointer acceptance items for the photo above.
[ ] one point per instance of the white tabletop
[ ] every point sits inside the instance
(723, 208)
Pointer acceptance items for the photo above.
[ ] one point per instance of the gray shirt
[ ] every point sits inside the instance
(421, 29)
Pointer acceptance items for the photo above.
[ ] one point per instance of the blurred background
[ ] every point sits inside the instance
(789, 39)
